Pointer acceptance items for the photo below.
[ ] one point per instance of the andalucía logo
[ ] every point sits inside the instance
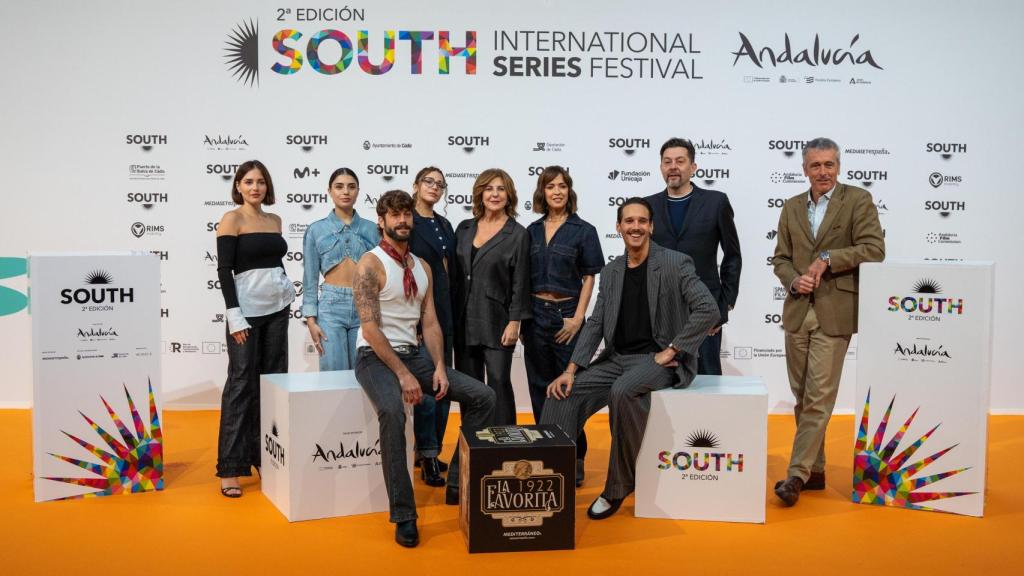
(358, 455)
(701, 461)
(926, 304)
(816, 55)
(922, 352)
(243, 44)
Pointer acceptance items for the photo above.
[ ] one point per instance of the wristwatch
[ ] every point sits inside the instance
(825, 256)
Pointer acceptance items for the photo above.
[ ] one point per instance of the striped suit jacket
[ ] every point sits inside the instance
(682, 310)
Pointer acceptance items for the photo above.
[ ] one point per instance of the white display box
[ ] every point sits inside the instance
(320, 446)
(923, 379)
(705, 452)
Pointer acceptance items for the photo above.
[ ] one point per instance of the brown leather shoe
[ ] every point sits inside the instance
(788, 490)
(815, 482)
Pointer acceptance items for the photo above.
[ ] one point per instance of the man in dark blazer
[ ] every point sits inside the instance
(652, 312)
(824, 236)
(695, 221)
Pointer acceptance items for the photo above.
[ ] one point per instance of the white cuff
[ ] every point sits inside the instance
(236, 321)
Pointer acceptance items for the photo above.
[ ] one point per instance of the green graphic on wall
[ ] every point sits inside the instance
(11, 301)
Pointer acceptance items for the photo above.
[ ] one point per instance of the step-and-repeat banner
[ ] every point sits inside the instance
(125, 124)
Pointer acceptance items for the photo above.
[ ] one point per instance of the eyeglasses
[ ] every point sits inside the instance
(439, 184)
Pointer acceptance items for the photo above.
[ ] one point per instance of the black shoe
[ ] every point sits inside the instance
(451, 496)
(406, 534)
(615, 503)
(442, 466)
(430, 472)
(579, 472)
(815, 482)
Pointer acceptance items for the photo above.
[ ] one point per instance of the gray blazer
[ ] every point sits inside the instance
(682, 310)
(495, 287)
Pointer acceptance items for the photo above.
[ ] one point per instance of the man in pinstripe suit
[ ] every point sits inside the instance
(652, 312)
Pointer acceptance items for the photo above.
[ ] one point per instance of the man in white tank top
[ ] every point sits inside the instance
(393, 295)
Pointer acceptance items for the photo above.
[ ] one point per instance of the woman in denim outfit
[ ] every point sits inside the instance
(332, 247)
(565, 254)
(433, 240)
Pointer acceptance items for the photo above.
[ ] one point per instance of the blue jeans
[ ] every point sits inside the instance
(710, 360)
(476, 402)
(340, 323)
(430, 417)
(546, 359)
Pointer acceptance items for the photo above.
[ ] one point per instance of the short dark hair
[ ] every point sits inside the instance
(679, 143)
(394, 201)
(243, 169)
(483, 180)
(635, 200)
(342, 172)
(540, 201)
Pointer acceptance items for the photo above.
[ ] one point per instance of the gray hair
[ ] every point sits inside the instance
(821, 144)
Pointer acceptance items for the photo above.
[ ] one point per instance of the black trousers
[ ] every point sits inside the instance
(496, 365)
(265, 352)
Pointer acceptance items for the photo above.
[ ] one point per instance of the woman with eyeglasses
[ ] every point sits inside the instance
(433, 240)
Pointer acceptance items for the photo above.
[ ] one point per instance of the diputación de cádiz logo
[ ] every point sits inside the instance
(522, 493)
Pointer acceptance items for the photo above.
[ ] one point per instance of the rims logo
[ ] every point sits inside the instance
(138, 229)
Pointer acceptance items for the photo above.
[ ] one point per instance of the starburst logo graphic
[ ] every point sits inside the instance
(137, 465)
(99, 277)
(243, 54)
(886, 480)
(927, 286)
(702, 439)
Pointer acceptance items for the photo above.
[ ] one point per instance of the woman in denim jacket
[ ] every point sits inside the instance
(565, 255)
(332, 247)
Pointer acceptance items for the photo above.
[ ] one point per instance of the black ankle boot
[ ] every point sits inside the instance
(430, 472)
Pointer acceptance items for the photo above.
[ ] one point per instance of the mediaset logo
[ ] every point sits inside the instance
(139, 229)
(701, 461)
(945, 208)
(145, 141)
(468, 143)
(946, 149)
(304, 172)
(816, 54)
(785, 177)
(938, 180)
(713, 146)
(100, 296)
(306, 141)
(144, 172)
(146, 199)
(387, 172)
(222, 142)
(225, 171)
(787, 147)
(629, 175)
(866, 151)
(629, 146)
(867, 178)
(273, 446)
(923, 351)
(943, 238)
(711, 175)
(925, 304)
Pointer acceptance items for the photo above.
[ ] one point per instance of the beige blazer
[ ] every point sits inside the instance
(851, 233)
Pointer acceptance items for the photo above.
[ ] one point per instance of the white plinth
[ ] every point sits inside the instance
(319, 446)
(704, 455)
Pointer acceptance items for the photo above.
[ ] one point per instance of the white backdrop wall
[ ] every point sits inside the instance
(87, 84)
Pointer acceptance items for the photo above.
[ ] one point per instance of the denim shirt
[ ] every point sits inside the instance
(327, 242)
(559, 266)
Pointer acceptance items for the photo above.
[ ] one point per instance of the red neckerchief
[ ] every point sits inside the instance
(408, 280)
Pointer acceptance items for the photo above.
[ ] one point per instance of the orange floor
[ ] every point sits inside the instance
(190, 529)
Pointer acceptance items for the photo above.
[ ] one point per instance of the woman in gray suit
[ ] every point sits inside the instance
(493, 287)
